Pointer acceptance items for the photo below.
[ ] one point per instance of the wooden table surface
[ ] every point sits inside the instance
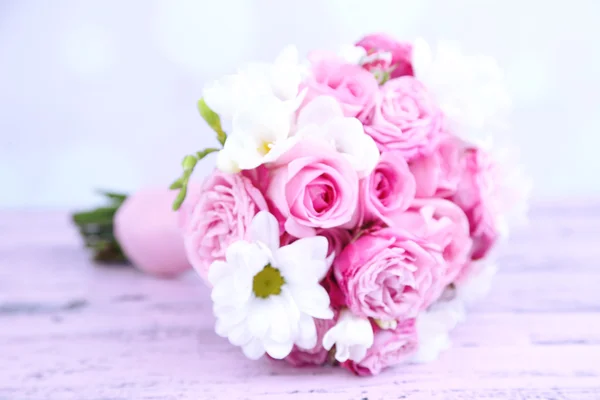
(72, 330)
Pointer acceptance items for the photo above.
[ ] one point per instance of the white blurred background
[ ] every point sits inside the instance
(102, 93)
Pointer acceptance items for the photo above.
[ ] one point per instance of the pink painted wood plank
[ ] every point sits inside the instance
(71, 330)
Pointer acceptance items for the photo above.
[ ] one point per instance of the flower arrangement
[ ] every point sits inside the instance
(355, 204)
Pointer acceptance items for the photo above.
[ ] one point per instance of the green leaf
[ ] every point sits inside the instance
(118, 197)
(213, 120)
(97, 216)
(96, 229)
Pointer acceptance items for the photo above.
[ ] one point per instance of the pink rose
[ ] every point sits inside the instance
(337, 239)
(389, 274)
(401, 52)
(388, 190)
(336, 296)
(258, 176)
(317, 355)
(220, 216)
(390, 347)
(437, 174)
(313, 187)
(353, 87)
(405, 118)
(473, 196)
(443, 223)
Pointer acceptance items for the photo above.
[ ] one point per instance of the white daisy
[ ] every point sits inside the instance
(265, 296)
(352, 337)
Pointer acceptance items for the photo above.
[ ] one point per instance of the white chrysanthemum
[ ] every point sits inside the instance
(352, 337)
(324, 119)
(260, 100)
(265, 296)
(469, 89)
(435, 324)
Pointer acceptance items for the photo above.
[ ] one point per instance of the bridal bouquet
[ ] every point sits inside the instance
(356, 201)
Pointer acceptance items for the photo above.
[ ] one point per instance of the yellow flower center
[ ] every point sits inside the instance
(267, 282)
(264, 148)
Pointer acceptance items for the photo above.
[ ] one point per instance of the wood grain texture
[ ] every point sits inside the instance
(72, 330)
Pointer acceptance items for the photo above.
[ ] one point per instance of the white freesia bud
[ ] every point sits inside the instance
(352, 337)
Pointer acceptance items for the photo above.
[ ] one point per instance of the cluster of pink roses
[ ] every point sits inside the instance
(397, 237)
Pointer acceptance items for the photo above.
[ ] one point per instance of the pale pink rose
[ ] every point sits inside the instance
(389, 274)
(473, 196)
(221, 215)
(313, 187)
(401, 53)
(443, 223)
(317, 355)
(353, 87)
(390, 347)
(388, 190)
(437, 174)
(405, 118)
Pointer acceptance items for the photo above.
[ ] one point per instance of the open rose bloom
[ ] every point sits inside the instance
(356, 203)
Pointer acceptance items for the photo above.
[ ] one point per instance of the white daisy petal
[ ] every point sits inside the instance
(313, 301)
(295, 259)
(307, 335)
(264, 228)
(278, 350)
(240, 335)
(218, 270)
(280, 329)
(254, 349)
(224, 325)
(258, 320)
